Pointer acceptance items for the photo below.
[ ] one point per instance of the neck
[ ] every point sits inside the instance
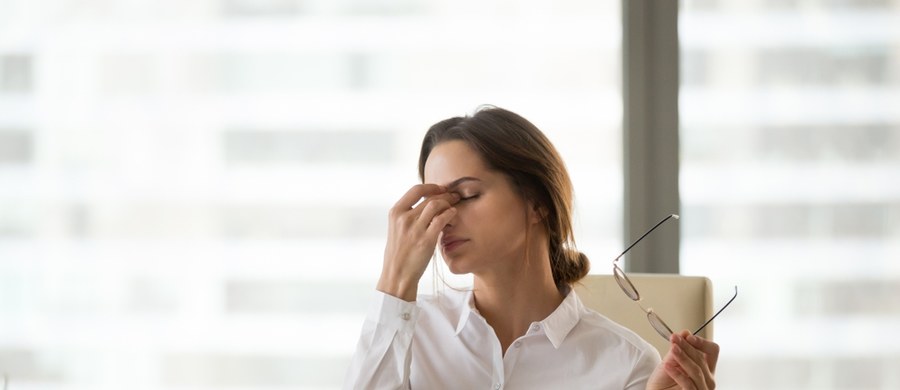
(512, 298)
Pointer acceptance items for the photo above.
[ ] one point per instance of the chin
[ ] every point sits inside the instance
(457, 266)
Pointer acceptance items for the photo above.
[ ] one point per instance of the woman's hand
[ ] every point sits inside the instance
(412, 236)
(690, 364)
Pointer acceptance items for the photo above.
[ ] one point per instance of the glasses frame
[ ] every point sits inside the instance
(632, 293)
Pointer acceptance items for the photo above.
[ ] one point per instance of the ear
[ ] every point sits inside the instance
(536, 214)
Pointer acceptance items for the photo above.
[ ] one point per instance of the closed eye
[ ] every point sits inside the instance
(470, 197)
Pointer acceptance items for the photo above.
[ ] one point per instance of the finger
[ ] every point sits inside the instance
(694, 354)
(431, 208)
(679, 376)
(412, 196)
(697, 349)
(449, 197)
(698, 357)
(439, 221)
(710, 348)
(690, 366)
(434, 205)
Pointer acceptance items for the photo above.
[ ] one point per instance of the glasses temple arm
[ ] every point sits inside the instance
(717, 313)
(645, 235)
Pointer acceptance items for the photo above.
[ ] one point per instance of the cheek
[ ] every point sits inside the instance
(479, 213)
(505, 223)
(492, 217)
(467, 216)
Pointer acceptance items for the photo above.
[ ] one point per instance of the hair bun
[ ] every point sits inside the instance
(572, 267)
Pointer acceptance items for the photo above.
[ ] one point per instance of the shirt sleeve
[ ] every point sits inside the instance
(643, 367)
(384, 351)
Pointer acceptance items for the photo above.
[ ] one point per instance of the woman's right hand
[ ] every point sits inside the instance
(412, 236)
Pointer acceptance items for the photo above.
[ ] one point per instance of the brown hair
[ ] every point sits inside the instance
(511, 144)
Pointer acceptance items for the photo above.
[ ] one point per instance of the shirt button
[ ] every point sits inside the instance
(405, 316)
(517, 344)
(535, 327)
(497, 386)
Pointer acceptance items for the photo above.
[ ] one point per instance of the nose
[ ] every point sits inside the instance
(449, 226)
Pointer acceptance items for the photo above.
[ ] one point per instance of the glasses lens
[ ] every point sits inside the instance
(625, 284)
(659, 325)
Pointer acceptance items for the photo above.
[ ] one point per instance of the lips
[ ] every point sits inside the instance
(449, 243)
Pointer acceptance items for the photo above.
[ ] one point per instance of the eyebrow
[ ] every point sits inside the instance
(461, 180)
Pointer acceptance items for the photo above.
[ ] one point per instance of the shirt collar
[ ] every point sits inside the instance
(559, 323)
(556, 326)
(467, 308)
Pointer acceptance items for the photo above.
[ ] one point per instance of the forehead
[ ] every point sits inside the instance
(451, 160)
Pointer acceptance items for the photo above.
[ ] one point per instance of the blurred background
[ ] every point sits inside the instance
(193, 195)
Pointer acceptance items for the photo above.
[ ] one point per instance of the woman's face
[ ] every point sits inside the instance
(488, 230)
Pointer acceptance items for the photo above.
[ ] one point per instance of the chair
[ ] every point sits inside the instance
(683, 302)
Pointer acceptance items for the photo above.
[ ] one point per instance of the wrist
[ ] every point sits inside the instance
(400, 287)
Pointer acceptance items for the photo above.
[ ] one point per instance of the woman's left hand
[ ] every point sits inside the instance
(689, 365)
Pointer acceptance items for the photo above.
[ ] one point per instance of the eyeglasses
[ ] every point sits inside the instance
(628, 287)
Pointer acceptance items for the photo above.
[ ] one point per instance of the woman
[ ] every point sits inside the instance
(498, 200)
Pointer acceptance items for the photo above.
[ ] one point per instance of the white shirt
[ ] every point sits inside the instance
(441, 342)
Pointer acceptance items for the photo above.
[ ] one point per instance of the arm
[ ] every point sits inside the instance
(383, 355)
(412, 236)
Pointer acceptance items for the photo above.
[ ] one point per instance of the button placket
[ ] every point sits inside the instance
(511, 358)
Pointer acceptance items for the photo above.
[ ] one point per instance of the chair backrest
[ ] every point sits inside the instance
(683, 302)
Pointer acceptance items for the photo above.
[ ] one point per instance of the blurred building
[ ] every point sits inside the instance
(194, 194)
(790, 149)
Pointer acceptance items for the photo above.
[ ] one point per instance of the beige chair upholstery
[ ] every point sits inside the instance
(683, 302)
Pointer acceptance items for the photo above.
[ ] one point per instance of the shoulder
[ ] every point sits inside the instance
(619, 344)
(597, 329)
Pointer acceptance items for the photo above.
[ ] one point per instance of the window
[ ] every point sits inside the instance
(15, 73)
(200, 198)
(788, 183)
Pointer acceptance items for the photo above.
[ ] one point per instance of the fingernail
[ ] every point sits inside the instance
(692, 338)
